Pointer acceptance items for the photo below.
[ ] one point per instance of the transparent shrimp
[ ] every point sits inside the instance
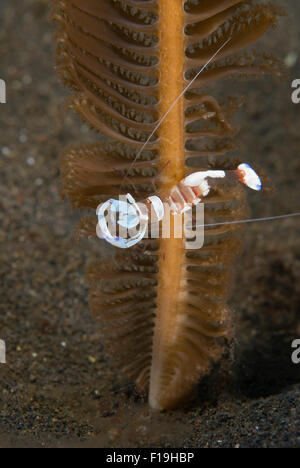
(128, 214)
(116, 217)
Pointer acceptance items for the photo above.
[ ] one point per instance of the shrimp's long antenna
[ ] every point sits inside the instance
(175, 102)
(250, 220)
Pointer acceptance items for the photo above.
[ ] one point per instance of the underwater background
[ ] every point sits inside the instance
(58, 388)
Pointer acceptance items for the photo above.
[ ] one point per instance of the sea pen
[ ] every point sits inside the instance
(163, 312)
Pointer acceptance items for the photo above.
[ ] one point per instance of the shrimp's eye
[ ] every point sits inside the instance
(249, 177)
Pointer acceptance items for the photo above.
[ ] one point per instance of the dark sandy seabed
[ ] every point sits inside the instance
(58, 388)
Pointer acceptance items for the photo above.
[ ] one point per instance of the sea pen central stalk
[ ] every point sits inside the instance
(172, 160)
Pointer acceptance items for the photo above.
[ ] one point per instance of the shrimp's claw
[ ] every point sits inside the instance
(248, 176)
